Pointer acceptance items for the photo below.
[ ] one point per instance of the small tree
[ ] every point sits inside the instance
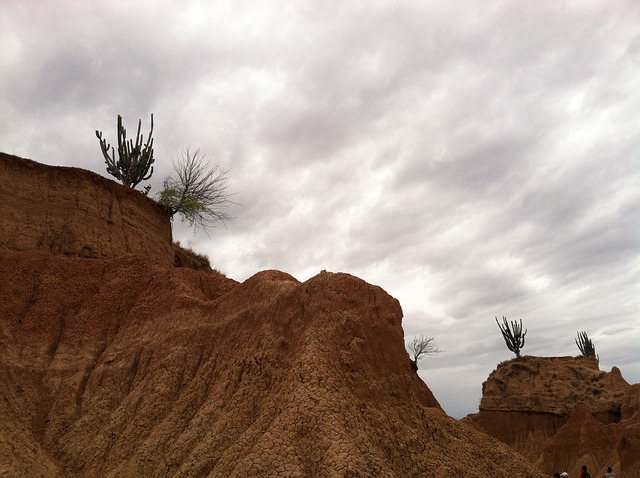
(586, 346)
(134, 160)
(513, 335)
(199, 193)
(421, 347)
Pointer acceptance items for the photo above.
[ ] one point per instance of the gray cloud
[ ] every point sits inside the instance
(472, 159)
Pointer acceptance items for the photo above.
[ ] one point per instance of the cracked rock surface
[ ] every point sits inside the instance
(126, 367)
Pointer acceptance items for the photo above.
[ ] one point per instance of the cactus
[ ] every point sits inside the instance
(134, 160)
(586, 346)
(512, 334)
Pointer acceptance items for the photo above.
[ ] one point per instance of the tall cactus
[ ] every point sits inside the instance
(134, 160)
(586, 346)
(512, 334)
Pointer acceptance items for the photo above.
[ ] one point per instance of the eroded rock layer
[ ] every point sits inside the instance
(75, 212)
(562, 412)
(126, 367)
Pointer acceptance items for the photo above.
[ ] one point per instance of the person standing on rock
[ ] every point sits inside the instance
(584, 473)
(610, 474)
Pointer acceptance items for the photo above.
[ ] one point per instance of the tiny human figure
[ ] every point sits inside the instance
(610, 474)
(584, 473)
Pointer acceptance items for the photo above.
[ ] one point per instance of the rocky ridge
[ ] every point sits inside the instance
(562, 412)
(125, 367)
(115, 363)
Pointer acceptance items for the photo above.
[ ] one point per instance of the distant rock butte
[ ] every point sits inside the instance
(113, 363)
(562, 412)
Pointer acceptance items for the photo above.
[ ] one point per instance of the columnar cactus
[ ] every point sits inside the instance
(513, 336)
(585, 345)
(134, 160)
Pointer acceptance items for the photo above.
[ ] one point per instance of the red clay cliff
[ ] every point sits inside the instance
(115, 363)
(562, 412)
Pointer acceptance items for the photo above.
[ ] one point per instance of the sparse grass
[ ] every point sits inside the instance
(197, 258)
(193, 254)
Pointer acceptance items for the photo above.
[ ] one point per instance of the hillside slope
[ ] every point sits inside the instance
(126, 367)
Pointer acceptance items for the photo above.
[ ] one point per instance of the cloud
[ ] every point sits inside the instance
(475, 160)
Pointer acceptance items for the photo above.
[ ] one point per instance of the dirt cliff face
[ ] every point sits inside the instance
(126, 367)
(562, 412)
(115, 363)
(74, 212)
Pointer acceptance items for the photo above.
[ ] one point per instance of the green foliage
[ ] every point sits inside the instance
(134, 163)
(199, 193)
(512, 334)
(177, 202)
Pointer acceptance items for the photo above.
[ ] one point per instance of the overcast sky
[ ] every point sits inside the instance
(473, 158)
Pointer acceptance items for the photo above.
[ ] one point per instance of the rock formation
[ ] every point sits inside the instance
(114, 363)
(74, 212)
(125, 367)
(562, 412)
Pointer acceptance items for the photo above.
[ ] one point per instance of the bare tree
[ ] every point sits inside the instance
(200, 192)
(586, 346)
(134, 160)
(512, 334)
(421, 347)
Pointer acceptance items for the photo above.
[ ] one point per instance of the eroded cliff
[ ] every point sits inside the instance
(74, 212)
(562, 412)
(125, 367)
(115, 363)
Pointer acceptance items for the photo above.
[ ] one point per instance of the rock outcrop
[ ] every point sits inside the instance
(74, 212)
(562, 412)
(126, 367)
(115, 363)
